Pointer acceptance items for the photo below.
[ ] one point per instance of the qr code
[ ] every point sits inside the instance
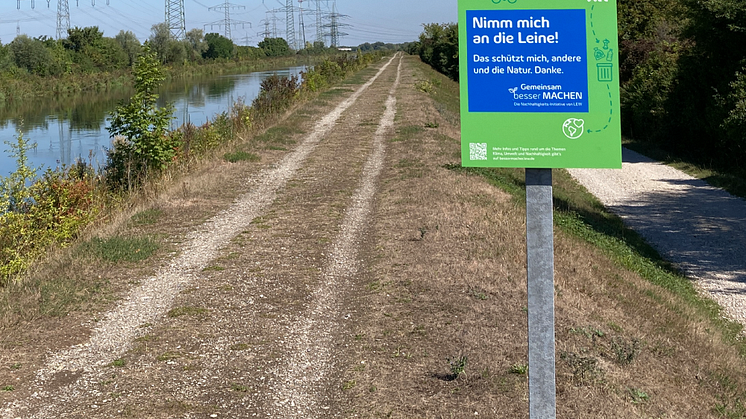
(477, 151)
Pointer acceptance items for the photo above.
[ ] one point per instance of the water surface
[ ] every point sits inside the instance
(75, 127)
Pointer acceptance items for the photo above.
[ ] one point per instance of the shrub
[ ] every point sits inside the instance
(142, 141)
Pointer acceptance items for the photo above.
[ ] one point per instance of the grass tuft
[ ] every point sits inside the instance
(120, 249)
(240, 156)
(187, 311)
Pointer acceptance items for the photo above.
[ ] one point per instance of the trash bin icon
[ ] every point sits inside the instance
(605, 72)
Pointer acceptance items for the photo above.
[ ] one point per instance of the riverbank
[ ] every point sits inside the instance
(13, 91)
(27, 229)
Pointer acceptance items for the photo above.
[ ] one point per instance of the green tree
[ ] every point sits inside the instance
(31, 54)
(197, 45)
(80, 38)
(218, 46)
(140, 128)
(160, 35)
(275, 47)
(439, 48)
(130, 44)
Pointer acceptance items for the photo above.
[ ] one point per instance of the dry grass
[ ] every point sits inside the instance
(448, 280)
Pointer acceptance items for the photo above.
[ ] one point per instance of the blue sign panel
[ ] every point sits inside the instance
(527, 61)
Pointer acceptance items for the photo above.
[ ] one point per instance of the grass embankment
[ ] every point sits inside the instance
(56, 206)
(634, 337)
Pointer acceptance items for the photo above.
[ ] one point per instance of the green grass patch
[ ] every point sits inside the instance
(120, 249)
(187, 311)
(147, 217)
(407, 133)
(240, 156)
(119, 363)
(239, 347)
(168, 356)
(279, 136)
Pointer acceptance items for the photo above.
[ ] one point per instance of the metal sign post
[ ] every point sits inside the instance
(540, 260)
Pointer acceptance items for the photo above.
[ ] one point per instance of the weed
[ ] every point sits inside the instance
(147, 217)
(213, 268)
(589, 332)
(424, 86)
(638, 396)
(239, 347)
(238, 156)
(168, 356)
(615, 327)
(478, 293)
(585, 369)
(349, 385)
(187, 311)
(519, 369)
(625, 351)
(239, 388)
(457, 365)
(8, 388)
(432, 124)
(119, 363)
(15, 366)
(423, 232)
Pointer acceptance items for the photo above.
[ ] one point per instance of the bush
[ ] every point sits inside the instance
(140, 129)
(438, 47)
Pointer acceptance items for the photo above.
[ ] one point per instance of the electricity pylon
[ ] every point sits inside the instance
(301, 26)
(227, 22)
(319, 23)
(290, 24)
(63, 14)
(176, 19)
(63, 18)
(335, 25)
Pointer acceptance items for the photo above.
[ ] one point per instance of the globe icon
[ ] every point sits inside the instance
(573, 128)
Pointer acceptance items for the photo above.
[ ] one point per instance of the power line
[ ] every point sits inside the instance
(227, 22)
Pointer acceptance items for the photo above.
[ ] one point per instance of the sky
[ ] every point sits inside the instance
(393, 21)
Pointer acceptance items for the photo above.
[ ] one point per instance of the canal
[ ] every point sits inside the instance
(72, 128)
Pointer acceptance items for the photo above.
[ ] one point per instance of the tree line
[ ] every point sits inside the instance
(683, 75)
(87, 50)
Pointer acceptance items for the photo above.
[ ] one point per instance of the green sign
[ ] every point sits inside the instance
(539, 83)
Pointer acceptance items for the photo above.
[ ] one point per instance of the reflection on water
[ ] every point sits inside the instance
(75, 127)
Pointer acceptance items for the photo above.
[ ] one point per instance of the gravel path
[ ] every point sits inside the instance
(305, 369)
(699, 227)
(80, 366)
